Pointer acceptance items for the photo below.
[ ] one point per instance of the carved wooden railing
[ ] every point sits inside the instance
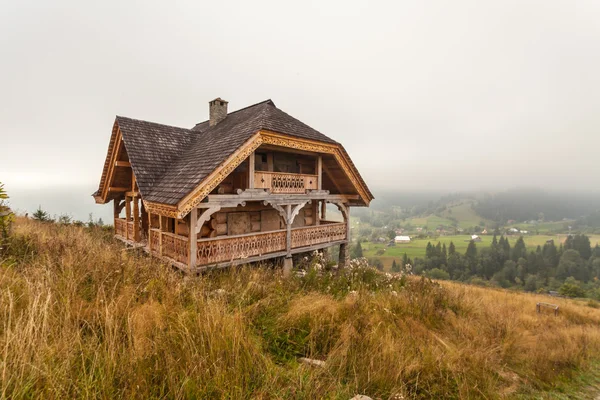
(155, 240)
(312, 235)
(130, 230)
(279, 182)
(175, 247)
(121, 227)
(227, 249)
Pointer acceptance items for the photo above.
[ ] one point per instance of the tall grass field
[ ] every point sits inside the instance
(83, 317)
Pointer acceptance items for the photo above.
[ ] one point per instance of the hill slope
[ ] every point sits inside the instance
(82, 317)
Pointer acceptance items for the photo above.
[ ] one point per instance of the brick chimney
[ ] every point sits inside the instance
(217, 111)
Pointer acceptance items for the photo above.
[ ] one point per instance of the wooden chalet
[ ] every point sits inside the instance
(241, 187)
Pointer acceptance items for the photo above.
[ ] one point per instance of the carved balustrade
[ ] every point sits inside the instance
(155, 240)
(175, 247)
(227, 249)
(121, 227)
(279, 182)
(312, 235)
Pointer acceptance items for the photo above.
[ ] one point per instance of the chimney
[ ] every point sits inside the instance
(217, 111)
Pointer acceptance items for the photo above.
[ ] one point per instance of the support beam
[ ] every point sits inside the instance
(270, 162)
(193, 238)
(132, 181)
(136, 219)
(122, 164)
(320, 172)
(204, 217)
(150, 233)
(288, 265)
(251, 165)
(288, 227)
(115, 189)
(160, 227)
(332, 179)
(323, 209)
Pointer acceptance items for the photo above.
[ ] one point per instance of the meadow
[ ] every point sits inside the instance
(416, 248)
(83, 317)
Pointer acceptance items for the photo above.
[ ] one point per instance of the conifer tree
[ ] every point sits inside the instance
(451, 248)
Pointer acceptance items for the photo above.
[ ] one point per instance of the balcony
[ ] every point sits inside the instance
(281, 182)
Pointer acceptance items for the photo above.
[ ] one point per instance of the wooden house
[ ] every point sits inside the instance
(240, 187)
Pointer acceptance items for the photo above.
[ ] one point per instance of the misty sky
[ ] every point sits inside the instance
(452, 95)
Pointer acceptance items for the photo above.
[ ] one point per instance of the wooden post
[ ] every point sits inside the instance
(270, 162)
(193, 238)
(127, 216)
(344, 254)
(136, 219)
(160, 227)
(251, 171)
(115, 213)
(288, 226)
(150, 232)
(320, 172)
(323, 210)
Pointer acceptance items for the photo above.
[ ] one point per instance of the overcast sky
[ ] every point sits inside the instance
(451, 95)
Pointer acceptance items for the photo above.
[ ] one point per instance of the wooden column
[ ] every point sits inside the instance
(323, 209)
(115, 214)
(270, 162)
(288, 223)
(136, 219)
(150, 232)
(344, 253)
(320, 173)
(127, 216)
(251, 165)
(160, 227)
(193, 238)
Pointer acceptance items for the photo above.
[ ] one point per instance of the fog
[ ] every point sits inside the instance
(437, 95)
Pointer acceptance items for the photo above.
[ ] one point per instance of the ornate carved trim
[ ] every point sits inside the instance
(160, 209)
(318, 147)
(109, 166)
(217, 176)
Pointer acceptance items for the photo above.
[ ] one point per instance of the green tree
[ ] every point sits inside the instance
(451, 248)
(6, 215)
(41, 215)
(357, 251)
(395, 267)
(520, 250)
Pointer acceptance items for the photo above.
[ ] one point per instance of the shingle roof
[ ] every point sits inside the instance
(169, 162)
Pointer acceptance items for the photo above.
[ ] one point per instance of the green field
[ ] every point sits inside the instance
(461, 211)
(416, 248)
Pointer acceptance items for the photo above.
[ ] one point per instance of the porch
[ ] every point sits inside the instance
(234, 250)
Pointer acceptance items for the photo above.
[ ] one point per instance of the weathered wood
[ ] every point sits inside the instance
(332, 179)
(251, 164)
(116, 189)
(160, 227)
(193, 242)
(270, 162)
(136, 220)
(320, 172)
(122, 164)
(288, 227)
(149, 234)
(323, 210)
(205, 216)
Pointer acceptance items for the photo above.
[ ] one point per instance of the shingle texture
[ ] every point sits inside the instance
(170, 162)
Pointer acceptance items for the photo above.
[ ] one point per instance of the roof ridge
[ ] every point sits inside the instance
(242, 109)
(154, 123)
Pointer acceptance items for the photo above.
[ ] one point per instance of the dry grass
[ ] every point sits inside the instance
(82, 318)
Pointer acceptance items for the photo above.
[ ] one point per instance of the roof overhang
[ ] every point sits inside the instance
(261, 137)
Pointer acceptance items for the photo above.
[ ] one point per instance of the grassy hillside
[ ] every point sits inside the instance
(84, 318)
